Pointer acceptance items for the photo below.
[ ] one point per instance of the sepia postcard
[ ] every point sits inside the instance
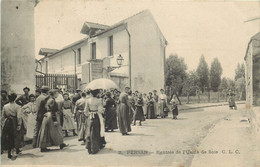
(130, 83)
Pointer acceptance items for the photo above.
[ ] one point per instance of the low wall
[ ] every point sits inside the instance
(254, 115)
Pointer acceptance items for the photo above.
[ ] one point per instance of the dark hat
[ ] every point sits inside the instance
(46, 88)
(161, 89)
(26, 88)
(108, 94)
(95, 92)
(31, 95)
(127, 87)
(66, 94)
(154, 90)
(12, 96)
(3, 91)
(38, 90)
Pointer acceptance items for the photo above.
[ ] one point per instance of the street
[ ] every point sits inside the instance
(159, 142)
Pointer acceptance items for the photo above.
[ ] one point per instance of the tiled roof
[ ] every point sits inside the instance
(44, 51)
(87, 26)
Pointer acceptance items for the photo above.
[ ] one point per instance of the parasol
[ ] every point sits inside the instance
(101, 83)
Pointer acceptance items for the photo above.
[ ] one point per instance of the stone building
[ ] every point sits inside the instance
(137, 39)
(17, 45)
(252, 60)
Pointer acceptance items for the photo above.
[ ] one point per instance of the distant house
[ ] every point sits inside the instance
(137, 39)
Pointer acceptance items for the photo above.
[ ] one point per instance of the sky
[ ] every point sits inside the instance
(214, 29)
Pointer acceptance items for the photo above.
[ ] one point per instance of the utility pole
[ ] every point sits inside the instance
(255, 18)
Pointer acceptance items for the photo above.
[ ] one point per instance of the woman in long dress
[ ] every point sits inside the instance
(50, 133)
(139, 113)
(11, 127)
(145, 101)
(29, 111)
(156, 100)
(110, 113)
(95, 139)
(163, 104)
(68, 121)
(174, 103)
(131, 101)
(124, 120)
(150, 107)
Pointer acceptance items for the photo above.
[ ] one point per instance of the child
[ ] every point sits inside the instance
(174, 103)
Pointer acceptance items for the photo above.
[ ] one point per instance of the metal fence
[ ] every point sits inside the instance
(63, 81)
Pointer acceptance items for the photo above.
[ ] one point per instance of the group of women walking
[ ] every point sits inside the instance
(47, 116)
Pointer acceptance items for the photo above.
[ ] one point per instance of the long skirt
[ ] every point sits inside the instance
(145, 109)
(25, 119)
(68, 121)
(175, 111)
(150, 111)
(49, 134)
(139, 113)
(123, 118)
(31, 124)
(8, 134)
(94, 142)
(110, 119)
(156, 109)
(82, 125)
(162, 107)
(232, 102)
(131, 112)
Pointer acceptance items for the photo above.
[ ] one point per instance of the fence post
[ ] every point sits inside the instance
(209, 95)
(218, 96)
(188, 98)
(198, 93)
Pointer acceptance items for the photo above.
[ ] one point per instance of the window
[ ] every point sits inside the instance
(79, 55)
(93, 50)
(110, 47)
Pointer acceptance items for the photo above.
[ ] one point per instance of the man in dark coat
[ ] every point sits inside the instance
(77, 96)
(40, 110)
(23, 99)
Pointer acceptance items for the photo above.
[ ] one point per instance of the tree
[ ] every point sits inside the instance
(224, 84)
(175, 73)
(240, 83)
(231, 84)
(203, 73)
(241, 87)
(190, 85)
(215, 74)
(240, 71)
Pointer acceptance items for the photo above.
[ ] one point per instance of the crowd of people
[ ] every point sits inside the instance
(48, 116)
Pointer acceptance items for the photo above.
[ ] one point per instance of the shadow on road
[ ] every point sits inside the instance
(67, 149)
(107, 151)
(138, 134)
(29, 155)
(180, 119)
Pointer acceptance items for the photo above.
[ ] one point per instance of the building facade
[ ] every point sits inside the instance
(252, 60)
(137, 39)
(17, 45)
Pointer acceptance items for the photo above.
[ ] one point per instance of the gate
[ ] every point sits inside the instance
(57, 81)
